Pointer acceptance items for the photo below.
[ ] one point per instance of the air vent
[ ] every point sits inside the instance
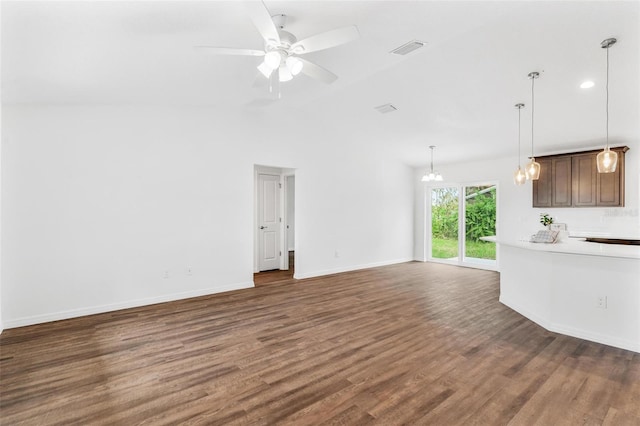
(385, 108)
(408, 47)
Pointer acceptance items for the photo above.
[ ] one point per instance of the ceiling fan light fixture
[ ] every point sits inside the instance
(272, 59)
(285, 74)
(265, 70)
(294, 64)
(281, 48)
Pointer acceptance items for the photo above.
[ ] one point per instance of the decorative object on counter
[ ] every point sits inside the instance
(563, 233)
(545, 236)
(519, 177)
(532, 170)
(607, 160)
(432, 176)
(545, 219)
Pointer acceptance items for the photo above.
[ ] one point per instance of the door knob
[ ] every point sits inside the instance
(263, 227)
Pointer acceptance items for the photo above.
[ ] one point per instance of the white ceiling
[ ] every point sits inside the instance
(457, 93)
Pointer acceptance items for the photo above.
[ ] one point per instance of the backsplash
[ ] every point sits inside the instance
(613, 222)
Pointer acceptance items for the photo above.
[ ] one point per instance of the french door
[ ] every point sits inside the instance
(458, 217)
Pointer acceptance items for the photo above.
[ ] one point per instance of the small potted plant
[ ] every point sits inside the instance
(545, 219)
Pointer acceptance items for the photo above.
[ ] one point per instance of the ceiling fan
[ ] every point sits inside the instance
(282, 49)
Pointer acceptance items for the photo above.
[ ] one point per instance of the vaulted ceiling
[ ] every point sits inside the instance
(458, 92)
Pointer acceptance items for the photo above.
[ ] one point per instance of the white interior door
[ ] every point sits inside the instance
(268, 222)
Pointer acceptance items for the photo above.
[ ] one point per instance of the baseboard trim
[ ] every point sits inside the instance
(571, 331)
(301, 276)
(81, 312)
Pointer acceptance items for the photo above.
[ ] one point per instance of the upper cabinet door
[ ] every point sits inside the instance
(542, 186)
(561, 182)
(584, 178)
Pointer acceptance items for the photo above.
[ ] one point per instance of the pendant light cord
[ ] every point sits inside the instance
(607, 90)
(431, 148)
(519, 108)
(533, 79)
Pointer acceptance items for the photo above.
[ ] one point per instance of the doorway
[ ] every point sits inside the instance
(274, 224)
(458, 217)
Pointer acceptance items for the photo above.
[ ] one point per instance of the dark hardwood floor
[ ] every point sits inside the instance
(415, 343)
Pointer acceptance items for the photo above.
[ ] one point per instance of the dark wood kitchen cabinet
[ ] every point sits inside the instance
(561, 193)
(572, 180)
(584, 173)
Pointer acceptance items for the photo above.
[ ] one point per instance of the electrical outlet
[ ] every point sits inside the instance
(336, 254)
(601, 302)
(189, 270)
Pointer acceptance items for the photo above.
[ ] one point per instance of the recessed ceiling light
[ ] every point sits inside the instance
(587, 84)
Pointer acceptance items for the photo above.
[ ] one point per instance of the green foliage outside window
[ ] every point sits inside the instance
(480, 214)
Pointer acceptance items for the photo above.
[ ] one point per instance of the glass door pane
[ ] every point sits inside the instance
(480, 221)
(444, 223)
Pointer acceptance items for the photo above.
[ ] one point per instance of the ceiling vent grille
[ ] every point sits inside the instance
(383, 109)
(408, 47)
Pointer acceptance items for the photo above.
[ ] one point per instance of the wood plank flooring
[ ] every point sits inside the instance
(415, 343)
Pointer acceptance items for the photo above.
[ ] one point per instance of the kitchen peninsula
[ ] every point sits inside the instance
(574, 287)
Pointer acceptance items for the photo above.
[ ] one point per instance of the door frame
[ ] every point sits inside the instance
(285, 217)
(282, 173)
(461, 223)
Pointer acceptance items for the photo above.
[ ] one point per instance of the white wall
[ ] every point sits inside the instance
(101, 203)
(516, 217)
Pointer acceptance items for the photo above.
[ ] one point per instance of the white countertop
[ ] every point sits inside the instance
(574, 246)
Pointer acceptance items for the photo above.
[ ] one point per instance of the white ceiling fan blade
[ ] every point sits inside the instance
(229, 51)
(326, 40)
(317, 72)
(261, 18)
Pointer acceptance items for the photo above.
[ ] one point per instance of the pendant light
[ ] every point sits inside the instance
(432, 176)
(607, 160)
(519, 177)
(532, 169)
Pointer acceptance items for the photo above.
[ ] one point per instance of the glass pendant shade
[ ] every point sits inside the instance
(519, 177)
(532, 170)
(607, 161)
